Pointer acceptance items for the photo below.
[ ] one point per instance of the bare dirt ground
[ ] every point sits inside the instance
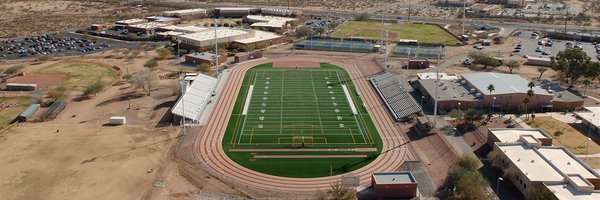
(86, 160)
(23, 17)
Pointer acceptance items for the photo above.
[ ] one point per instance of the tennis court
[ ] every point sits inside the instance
(418, 51)
(300, 107)
(335, 45)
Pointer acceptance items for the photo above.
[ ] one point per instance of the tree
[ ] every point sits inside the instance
(145, 80)
(473, 115)
(541, 70)
(470, 186)
(457, 114)
(163, 53)
(58, 93)
(491, 88)
(540, 192)
(582, 18)
(93, 88)
(203, 67)
(151, 64)
(512, 65)
(573, 63)
(484, 59)
(13, 69)
(468, 162)
(339, 192)
(303, 31)
(587, 82)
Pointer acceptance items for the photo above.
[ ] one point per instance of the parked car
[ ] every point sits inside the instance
(545, 53)
(539, 49)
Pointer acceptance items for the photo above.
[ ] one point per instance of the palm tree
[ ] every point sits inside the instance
(491, 88)
(530, 95)
(531, 85)
(526, 102)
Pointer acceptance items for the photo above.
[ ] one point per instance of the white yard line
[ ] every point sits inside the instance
(281, 104)
(316, 101)
(246, 117)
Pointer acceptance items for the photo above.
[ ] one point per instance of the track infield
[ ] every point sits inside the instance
(304, 108)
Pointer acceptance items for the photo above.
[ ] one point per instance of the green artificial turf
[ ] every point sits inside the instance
(287, 103)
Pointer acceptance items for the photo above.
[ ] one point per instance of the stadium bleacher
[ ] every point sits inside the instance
(398, 101)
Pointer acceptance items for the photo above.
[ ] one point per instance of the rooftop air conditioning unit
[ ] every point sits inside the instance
(560, 94)
(550, 91)
(463, 82)
(472, 90)
(444, 87)
(478, 94)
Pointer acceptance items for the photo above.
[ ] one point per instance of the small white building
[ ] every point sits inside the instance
(590, 118)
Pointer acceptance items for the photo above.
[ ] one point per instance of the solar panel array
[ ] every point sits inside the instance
(418, 51)
(398, 101)
(336, 45)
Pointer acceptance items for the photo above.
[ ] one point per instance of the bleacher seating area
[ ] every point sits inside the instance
(398, 101)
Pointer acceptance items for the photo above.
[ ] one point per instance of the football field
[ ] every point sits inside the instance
(296, 107)
(300, 122)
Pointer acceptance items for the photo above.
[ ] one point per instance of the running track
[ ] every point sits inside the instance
(209, 150)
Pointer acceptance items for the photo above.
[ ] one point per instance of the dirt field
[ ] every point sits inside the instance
(21, 18)
(42, 80)
(8, 114)
(81, 73)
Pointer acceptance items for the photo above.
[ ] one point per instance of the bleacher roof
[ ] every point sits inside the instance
(196, 97)
(397, 99)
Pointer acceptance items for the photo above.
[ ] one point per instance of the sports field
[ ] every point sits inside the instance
(305, 122)
(372, 30)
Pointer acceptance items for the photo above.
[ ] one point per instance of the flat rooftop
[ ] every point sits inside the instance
(513, 134)
(453, 91)
(186, 29)
(431, 75)
(592, 116)
(531, 163)
(259, 36)
(203, 55)
(503, 83)
(393, 177)
(149, 25)
(130, 21)
(568, 192)
(564, 160)
(222, 32)
(560, 93)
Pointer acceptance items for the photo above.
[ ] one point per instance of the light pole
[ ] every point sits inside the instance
(587, 146)
(422, 98)
(498, 186)
(459, 105)
(493, 103)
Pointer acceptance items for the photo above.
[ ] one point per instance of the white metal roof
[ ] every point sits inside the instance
(431, 75)
(149, 25)
(503, 83)
(269, 21)
(131, 21)
(186, 29)
(196, 97)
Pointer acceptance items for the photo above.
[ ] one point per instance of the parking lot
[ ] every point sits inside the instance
(530, 44)
(47, 44)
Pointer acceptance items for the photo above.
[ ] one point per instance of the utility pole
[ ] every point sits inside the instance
(409, 10)
(566, 17)
(464, 16)
(216, 49)
(437, 78)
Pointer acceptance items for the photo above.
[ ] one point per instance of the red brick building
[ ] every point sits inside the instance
(204, 57)
(394, 184)
(418, 63)
(241, 57)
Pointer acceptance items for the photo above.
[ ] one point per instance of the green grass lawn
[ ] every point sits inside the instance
(7, 115)
(81, 73)
(372, 30)
(288, 103)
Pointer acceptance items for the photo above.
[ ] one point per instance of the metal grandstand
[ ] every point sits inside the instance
(336, 45)
(398, 101)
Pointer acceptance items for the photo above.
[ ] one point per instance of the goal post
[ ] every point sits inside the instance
(302, 141)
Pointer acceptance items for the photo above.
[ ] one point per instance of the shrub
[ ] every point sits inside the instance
(14, 69)
(93, 88)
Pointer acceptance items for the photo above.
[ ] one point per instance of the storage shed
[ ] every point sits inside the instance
(118, 120)
(394, 184)
(28, 113)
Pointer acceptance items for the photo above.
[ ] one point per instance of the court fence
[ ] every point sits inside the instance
(358, 46)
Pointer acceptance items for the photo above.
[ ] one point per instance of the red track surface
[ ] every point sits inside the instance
(210, 151)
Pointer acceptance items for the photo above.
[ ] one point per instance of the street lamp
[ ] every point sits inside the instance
(422, 99)
(498, 186)
(459, 105)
